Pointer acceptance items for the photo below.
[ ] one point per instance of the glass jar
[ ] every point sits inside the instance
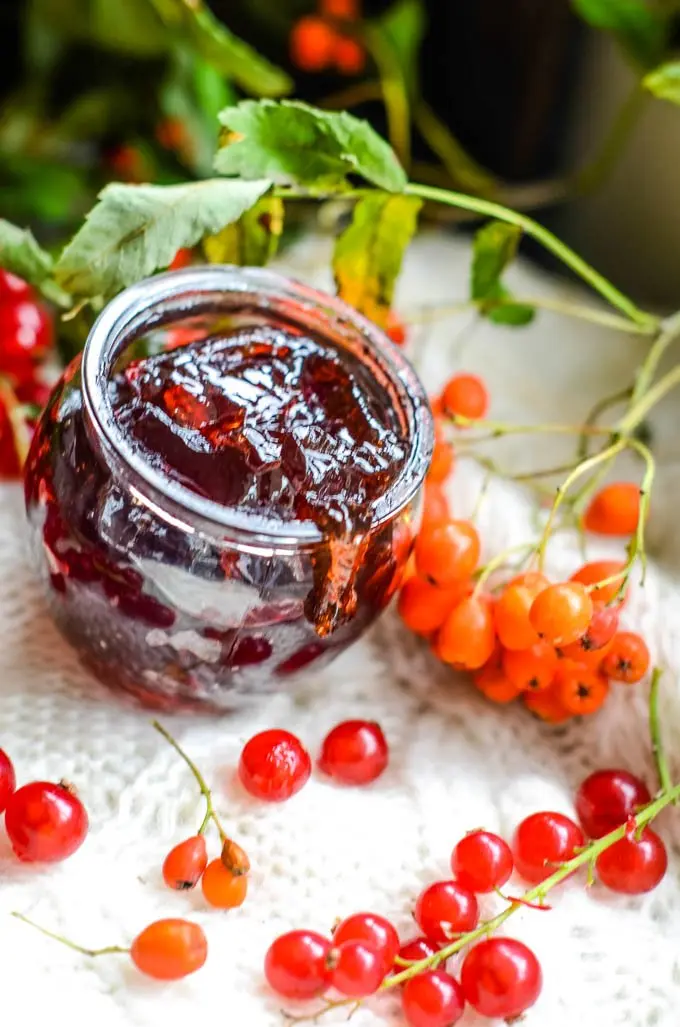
(169, 596)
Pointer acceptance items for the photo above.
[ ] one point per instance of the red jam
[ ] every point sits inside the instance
(264, 420)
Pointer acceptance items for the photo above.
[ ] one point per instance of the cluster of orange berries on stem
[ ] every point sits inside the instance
(318, 43)
(557, 645)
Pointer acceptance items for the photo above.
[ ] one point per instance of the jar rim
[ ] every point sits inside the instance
(173, 295)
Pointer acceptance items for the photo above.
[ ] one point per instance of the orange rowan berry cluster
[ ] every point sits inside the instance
(555, 645)
(318, 43)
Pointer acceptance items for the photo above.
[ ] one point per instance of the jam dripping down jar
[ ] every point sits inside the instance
(175, 598)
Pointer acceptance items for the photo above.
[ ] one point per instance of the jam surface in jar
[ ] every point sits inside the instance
(267, 421)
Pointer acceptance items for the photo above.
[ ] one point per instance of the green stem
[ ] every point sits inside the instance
(655, 733)
(670, 329)
(496, 562)
(497, 429)
(106, 951)
(639, 410)
(555, 306)
(210, 813)
(593, 417)
(459, 164)
(578, 472)
(587, 856)
(599, 169)
(395, 95)
(488, 208)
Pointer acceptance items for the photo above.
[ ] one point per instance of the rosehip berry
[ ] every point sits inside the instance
(607, 798)
(356, 969)
(627, 659)
(465, 395)
(45, 822)
(561, 613)
(8, 781)
(170, 949)
(501, 978)
(222, 889)
(432, 999)
(445, 909)
(274, 765)
(373, 929)
(354, 752)
(296, 965)
(482, 861)
(184, 865)
(415, 950)
(542, 841)
(633, 866)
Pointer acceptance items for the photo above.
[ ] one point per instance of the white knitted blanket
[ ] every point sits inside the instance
(457, 762)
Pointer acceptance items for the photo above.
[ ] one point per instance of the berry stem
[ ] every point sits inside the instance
(497, 429)
(568, 256)
(649, 399)
(210, 813)
(485, 572)
(106, 951)
(670, 329)
(655, 733)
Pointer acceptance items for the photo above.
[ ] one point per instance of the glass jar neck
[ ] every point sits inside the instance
(247, 296)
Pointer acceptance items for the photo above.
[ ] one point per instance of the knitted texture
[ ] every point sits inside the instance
(457, 762)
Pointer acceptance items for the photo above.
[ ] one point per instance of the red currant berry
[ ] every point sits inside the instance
(607, 798)
(354, 753)
(184, 865)
(274, 766)
(13, 290)
(25, 330)
(356, 969)
(501, 978)
(296, 965)
(415, 950)
(482, 861)
(45, 822)
(375, 930)
(445, 909)
(8, 781)
(432, 999)
(170, 949)
(542, 841)
(633, 866)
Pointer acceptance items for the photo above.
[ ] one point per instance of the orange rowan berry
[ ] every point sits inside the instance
(627, 659)
(436, 509)
(546, 705)
(600, 570)
(614, 510)
(561, 613)
(312, 42)
(580, 689)
(443, 458)
(449, 552)
(424, 607)
(349, 56)
(533, 669)
(493, 683)
(465, 395)
(348, 10)
(467, 637)
(511, 614)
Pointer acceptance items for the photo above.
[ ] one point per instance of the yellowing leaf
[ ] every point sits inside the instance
(664, 82)
(136, 229)
(369, 253)
(251, 241)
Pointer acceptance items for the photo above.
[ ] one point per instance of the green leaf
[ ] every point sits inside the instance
(403, 26)
(294, 144)
(21, 254)
(136, 229)
(514, 314)
(664, 82)
(369, 253)
(192, 23)
(252, 240)
(641, 31)
(128, 26)
(494, 247)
